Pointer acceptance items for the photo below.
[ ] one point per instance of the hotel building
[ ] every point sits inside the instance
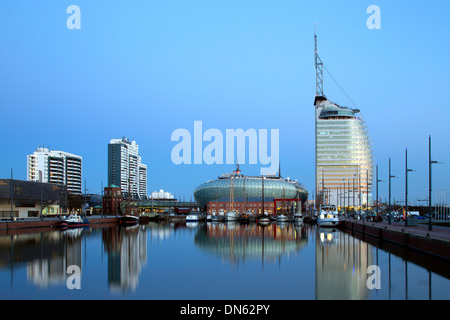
(344, 160)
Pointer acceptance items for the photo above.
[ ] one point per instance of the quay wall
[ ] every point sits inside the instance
(49, 224)
(405, 238)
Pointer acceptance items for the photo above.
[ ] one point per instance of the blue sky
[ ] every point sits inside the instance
(143, 69)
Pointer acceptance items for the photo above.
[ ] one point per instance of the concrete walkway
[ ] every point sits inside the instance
(438, 232)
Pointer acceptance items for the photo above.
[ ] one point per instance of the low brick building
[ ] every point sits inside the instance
(112, 198)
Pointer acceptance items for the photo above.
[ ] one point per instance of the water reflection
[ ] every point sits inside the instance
(45, 255)
(341, 266)
(127, 253)
(324, 263)
(238, 243)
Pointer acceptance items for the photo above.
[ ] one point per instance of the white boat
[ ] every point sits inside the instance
(232, 216)
(298, 217)
(264, 219)
(73, 221)
(192, 218)
(282, 218)
(328, 217)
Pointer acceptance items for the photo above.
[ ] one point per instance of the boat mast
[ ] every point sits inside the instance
(245, 201)
(231, 192)
(263, 209)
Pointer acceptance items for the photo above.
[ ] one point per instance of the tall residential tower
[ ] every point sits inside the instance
(344, 160)
(58, 167)
(125, 169)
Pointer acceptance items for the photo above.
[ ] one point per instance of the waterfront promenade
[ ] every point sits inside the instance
(416, 237)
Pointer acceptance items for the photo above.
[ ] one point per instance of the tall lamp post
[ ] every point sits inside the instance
(345, 211)
(390, 176)
(406, 187)
(367, 193)
(348, 202)
(377, 190)
(430, 162)
(338, 194)
(359, 190)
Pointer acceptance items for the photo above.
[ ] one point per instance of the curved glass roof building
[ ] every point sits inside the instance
(242, 188)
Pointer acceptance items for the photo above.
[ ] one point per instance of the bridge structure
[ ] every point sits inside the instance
(160, 205)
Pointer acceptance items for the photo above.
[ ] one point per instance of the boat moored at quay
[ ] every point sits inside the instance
(232, 216)
(328, 216)
(129, 220)
(192, 218)
(74, 221)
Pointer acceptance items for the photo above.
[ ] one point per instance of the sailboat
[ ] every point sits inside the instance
(298, 217)
(232, 215)
(264, 218)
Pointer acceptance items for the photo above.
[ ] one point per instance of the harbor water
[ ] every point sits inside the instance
(214, 261)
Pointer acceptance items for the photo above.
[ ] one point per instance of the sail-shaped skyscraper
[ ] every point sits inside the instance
(344, 159)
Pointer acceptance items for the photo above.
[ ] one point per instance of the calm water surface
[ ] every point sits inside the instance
(214, 262)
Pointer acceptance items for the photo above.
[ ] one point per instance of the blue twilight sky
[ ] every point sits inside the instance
(143, 69)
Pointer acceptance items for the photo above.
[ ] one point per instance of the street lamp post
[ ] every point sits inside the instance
(390, 176)
(345, 210)
(348, 202)
(377, 190)
(406, 187)
(353, 194)
(367, 193)
(12, 196)
(338, 195)
(430, 162)
(359, 187)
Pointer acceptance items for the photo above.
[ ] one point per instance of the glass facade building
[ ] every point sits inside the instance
(344, 160)
(240, 188)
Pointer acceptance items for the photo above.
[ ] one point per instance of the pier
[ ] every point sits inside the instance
(418, 237)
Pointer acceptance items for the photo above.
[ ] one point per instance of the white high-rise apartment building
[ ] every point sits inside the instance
(125, 168)
(58, 167)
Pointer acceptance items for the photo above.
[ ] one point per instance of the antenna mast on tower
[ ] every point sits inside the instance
(319, 67)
